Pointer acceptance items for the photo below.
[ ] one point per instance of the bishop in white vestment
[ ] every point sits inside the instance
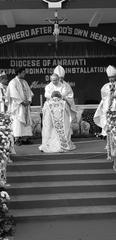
(100, 116)
(66, 91)
(105, 115)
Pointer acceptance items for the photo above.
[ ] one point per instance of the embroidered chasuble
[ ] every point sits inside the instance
(57, 109)
(56, 131)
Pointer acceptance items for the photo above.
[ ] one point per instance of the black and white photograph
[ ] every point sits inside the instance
(57, 120)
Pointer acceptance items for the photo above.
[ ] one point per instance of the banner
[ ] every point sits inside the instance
(85, 75)
(100, 33)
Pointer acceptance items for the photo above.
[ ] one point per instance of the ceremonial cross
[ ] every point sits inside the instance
(56, 21)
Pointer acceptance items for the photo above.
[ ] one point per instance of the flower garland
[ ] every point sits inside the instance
(111, 124)
(6, 147)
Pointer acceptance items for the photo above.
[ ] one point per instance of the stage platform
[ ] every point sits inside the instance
(74, 192)
(83, 146)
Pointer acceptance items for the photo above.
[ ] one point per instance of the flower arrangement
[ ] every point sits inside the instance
(111, 134)
(6, 222)
(111, 124)
(6, 147)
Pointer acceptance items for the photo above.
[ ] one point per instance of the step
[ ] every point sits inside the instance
(62, 199)
(58, 156)
(59, 165)
(63, 212)
(60, 175)
(61, 187)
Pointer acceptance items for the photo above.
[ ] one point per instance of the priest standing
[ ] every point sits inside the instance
(18, 98)
(100, 116)
(105, 115)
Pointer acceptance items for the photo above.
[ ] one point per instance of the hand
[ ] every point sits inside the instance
(25, 103)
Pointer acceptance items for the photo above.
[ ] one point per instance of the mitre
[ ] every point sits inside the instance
(59, 70)
(111, 71)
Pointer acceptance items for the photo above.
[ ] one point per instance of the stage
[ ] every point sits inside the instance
(83, 146)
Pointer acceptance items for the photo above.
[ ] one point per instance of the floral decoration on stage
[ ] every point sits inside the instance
(6, 147)
(7, 225)
(111, 124)
(111, 134)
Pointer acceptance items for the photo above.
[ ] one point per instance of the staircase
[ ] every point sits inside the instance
(61, 185)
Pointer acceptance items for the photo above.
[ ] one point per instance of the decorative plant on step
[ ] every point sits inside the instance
(7, 224)
(111, 123)
(6, 145)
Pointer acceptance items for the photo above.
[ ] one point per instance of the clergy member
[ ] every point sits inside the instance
(56, 134)
(19, 97)
(66, 94)
(100, 116)
(67, 91)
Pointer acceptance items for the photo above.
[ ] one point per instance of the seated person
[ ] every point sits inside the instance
(56, 130)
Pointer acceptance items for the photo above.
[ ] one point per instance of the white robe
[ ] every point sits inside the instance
(56, 131)
(66, 91)
(100, 114)
(16, 93)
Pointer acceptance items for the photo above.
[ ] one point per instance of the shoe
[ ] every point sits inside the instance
(114, 168)
(110, 159)
(40, 148)
(18, 143)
